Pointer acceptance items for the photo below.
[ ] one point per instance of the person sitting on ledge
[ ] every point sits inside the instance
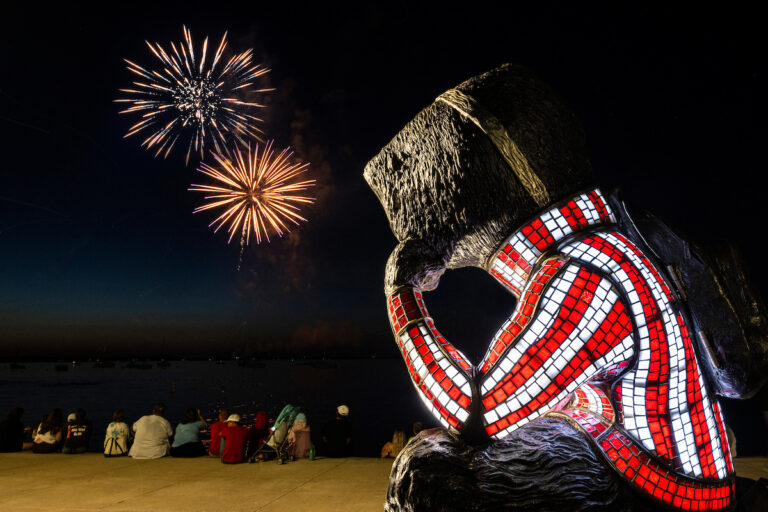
(118, 435)
(47, 437)
(59, 420)
(395, 446)
(186, 442)
(151, 435)
(215, 448)
(299, 440)
(12, 431)
(417, 427)
(78, 433)
(235, 437)
(259, 433)
(337, 434)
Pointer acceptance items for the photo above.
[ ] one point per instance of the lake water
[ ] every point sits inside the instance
(378, 392)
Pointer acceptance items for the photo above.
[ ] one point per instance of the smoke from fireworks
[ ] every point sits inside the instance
(259, 192)
(186, 94)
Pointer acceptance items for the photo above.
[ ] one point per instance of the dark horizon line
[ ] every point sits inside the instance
(181, 358)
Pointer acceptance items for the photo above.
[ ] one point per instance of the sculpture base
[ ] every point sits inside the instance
(546, 465)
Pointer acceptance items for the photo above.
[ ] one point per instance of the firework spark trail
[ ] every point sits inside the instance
(185, 94)
(258, 191)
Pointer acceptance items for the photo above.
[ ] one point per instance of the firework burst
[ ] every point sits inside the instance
(200, 95)
(259, 192)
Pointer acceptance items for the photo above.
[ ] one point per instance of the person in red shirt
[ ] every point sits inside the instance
(235, 438)
(215, 448)
(259, 432)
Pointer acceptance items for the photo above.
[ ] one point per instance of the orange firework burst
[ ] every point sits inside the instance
(259, 191)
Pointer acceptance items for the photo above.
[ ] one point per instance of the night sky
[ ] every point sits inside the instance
(100, 255)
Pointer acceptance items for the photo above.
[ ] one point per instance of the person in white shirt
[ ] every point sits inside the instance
(151, 434)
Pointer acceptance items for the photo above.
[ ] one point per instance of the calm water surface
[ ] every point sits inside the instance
(377, 391)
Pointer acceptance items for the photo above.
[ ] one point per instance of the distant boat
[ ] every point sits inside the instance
(143, 365)
(321, 363)
(163, 364)
(251, 363)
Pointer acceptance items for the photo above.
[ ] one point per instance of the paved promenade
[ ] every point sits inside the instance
(30, 482)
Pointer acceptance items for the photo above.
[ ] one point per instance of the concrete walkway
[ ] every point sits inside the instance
(30, 482)
(751, 467)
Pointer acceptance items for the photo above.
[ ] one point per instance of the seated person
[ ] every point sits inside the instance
(118, 435)
(259, 433)
(235, 438)
(395, 446)
(151, 434)
(298, 438)
(12, 431)
(59, 418)
(337, 434)
(78, 433)
(417, 427)
(186, 441)
(215, 448)
(48, 435)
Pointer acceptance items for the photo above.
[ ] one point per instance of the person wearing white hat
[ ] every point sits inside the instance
(337, 434)
(235, 438)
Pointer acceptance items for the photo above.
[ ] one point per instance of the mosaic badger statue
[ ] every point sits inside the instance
(600, 389)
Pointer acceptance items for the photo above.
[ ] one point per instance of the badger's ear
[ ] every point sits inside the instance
(416, 264)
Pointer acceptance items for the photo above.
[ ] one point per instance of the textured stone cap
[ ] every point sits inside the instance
(472, 166)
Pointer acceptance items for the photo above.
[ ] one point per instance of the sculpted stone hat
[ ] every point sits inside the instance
(472, 166)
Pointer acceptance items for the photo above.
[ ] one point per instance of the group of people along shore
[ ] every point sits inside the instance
(152, 436)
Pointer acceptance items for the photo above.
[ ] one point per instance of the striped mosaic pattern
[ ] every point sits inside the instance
(580, 327)
(664, 402)
(513, 263)
(440, 372)
(598, 339)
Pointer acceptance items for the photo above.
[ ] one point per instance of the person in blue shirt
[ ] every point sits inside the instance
(186, 440)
